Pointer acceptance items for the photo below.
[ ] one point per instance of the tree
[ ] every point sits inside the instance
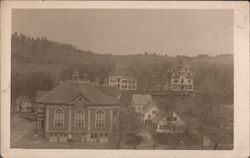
(134, 139)
(28, 84)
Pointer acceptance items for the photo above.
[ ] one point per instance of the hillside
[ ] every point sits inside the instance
(56, 61)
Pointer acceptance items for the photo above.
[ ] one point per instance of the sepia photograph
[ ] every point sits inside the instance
(123, 79)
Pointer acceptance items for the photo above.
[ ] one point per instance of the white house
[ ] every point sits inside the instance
(124, 79)
(180, 79)
(171, 123)
(177, 78)
(140, 101)
(23, 104)
(149, 113)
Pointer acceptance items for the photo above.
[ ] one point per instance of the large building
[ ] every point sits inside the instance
(123, 79)
(80, 111)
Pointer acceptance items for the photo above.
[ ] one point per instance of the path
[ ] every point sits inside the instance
(147, 140)
(19, 128)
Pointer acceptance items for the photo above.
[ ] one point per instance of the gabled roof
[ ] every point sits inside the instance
(95, 93)
(149, 106)
(158, 118)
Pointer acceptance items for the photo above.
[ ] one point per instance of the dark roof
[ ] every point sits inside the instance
(94, 93)
(126, 99)
(40, 94)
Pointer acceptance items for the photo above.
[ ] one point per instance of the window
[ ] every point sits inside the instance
(42, 123)
(175, 80)
(100, 119)
(174, 118)
(182, 80)
(93, 135)
(59, 118)
(175, 86)
(79, 118)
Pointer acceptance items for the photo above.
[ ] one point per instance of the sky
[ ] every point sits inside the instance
(132, 31)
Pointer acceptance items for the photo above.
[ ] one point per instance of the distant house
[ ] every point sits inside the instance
(144, 105)
(23, 104)
(123, 79)
(180, 79)
(140, 101)
(170, 123)
(80, 111)
(177, 78)
(149, 113)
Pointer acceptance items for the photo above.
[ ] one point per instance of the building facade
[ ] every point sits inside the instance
(170, 123)
(123, 79)
(139, 102)
(78, 111)
(180, 79)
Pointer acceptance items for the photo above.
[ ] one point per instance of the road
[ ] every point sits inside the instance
(19, 128)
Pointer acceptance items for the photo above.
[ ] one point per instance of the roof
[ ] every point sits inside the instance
(126, 99)
(149, 106)
(141, 99)
(94, 93)
(40, 93)
(158, 118)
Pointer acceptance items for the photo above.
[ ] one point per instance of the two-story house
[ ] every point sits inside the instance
(80, 111)
(123, 79)
(180, 79)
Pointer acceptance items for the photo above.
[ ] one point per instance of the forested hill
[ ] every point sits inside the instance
(43, 63)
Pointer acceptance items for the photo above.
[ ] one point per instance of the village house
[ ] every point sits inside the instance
(149, 113)
(140, 101)
(123, 79)
(143, 104)
(23, 104)
(177, 78)
(78, 110)
(180, 79)
(170, 123)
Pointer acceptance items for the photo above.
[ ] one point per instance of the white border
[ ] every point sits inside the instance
(241, 79)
